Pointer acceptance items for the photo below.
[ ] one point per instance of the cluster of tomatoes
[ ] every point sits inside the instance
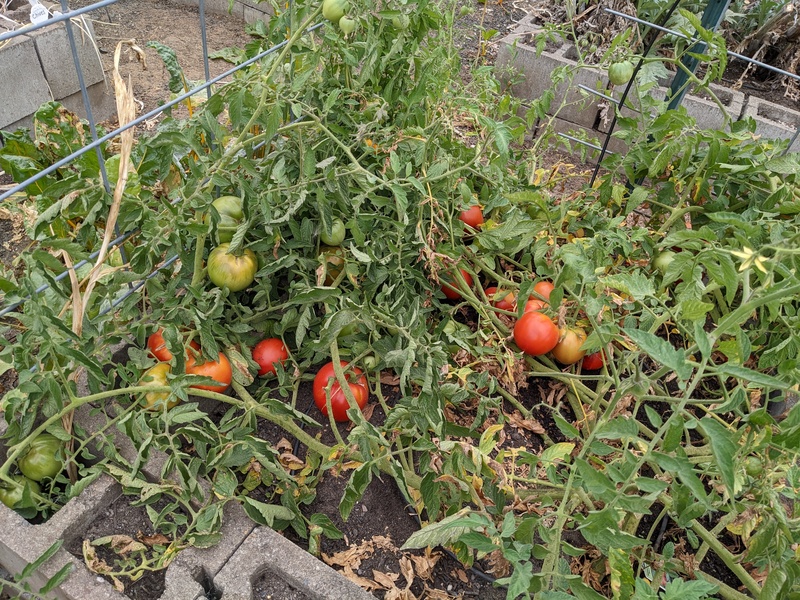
(534, 332)
(158, 375)
(234, 271)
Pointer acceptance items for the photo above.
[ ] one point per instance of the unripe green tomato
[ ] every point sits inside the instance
(401, 21)
(663, 261)
(232, 271)
(369, 362)
(336, 236)
(620, 73)
(347, 25)
(231, 214)
(41, 459)
(11, 495)
(753, 466)
(333, 10)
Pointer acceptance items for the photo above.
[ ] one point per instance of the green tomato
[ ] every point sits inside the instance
(333, 10)
(231, 215)
(11, 495)
(347, 25)
(369, 362)
(336, 235)
(663, 261)
(41, 460)
(132, 185)
(231, 271)
(620, 73)
(400, 22)
(753, 466)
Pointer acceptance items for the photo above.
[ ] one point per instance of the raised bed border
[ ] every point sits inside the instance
(582, 115)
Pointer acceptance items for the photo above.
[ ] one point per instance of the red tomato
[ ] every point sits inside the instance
(535, 333)
(568, 349)
(268, 352)
(473, 216)
(449, 289)
(219, 370)
(507, 302)
(358, 385)
(534, 304)
(158, 347)
(593, 361)
(543, 288)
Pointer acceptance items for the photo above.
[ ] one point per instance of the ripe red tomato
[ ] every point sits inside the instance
(339, 405)
(498, 300)
(535, 333)
(568, 349)
(219, 370)
(158, 347)
(268, 352)
(593, 361)
(473, 216)
(534, 304)
(543, 288)
(450, 290)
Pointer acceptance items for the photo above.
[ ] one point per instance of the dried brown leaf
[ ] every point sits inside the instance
(153, 540)
(365, 583)
(387, 580)
(407, 569)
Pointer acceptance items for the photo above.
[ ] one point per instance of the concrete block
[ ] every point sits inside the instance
(55, 55)
(530, 76)
(253, 12)
(22, 542)
(101, 98)
(20, 69)
(267, 551)
(773, 121)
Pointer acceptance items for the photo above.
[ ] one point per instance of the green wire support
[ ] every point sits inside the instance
(712, 17)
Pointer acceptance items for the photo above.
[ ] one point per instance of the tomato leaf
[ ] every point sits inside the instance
(662, 351)
(723, 448)
(263, 513)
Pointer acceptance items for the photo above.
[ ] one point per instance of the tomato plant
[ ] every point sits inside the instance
(339, 404)
(231, 215)
(219, 370)
(568, 349)
(232, 271)
(449, 288)
(473, 216)
(269, 352)
(593, 361)
(157, 376)
(335, 236)
(158, 347)
(535, 333)
(500, 299)
(42, 458)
